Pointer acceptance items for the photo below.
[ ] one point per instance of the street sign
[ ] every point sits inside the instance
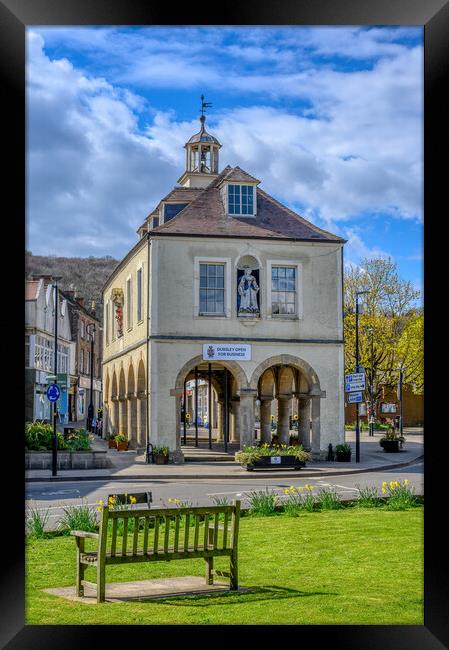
(53, 393)
(354, 397)
(355, 382)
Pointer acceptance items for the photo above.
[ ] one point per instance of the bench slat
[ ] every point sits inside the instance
(187, 531)
(206, 532)
(167, 533)
(136, 533)
(176, 540)
(156, 534)
(215, 539)
(197, 530)
(114, 536)
(145, 534)
(157, 512)
(125, 535)
(225, 531)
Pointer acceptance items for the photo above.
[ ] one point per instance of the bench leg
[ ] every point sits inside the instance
(80, 568)
(209, 568)
(234, 584)
(101, 582)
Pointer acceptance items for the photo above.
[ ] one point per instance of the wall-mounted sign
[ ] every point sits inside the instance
(226, 352)
(388, 408)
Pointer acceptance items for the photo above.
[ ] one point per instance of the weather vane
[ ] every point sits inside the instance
(204, 104)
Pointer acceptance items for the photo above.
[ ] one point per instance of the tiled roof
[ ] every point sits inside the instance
(238, 175)
(206, 216)
(181, 194)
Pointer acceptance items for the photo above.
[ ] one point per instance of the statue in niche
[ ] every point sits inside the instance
(247, 289)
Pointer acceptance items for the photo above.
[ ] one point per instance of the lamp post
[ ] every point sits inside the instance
(357, 423)
(90, 329)
(54, 459)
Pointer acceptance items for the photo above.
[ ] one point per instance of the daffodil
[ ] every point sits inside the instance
(286, 491)
(406, 481)
(384, 490)
(132, 499)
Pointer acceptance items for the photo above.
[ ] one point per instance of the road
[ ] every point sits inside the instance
(53, 497)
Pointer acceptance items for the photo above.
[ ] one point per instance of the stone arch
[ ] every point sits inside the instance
(235, 369)
(131, 378)
(288, 360)
(296, 382)
(114, 411)
(141, 403)
(122, 404)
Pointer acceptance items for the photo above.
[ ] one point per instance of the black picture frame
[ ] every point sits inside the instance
(15, 15)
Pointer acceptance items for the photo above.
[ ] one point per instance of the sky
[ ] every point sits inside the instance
(330, 119)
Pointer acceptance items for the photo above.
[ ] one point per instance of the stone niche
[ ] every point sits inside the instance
(248, 290)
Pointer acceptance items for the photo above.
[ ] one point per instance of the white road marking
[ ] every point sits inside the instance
(61, 492)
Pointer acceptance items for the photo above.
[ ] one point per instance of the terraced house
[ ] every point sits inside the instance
(228, 285)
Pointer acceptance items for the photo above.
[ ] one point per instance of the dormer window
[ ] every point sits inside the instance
(241, 200)
(155, 222)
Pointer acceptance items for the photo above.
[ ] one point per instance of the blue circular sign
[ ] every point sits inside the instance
(53, 393)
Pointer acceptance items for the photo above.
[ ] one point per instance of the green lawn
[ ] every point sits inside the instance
(352, 566)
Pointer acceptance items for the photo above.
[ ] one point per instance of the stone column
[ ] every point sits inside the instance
(140, 441)
(234, 430)
(283, 428)
(246, 417)
(132, 419)
(114, 414)
(220, 421)
(265, 419)
(122, 416)
(304, 422)
(316, 437)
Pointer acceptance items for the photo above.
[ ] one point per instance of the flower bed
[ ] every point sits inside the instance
(272, 456)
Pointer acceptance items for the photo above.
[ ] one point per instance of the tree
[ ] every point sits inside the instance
(390, 326)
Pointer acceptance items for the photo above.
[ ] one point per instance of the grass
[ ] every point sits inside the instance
(352, 566)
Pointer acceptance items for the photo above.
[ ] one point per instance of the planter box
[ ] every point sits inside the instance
(112, 444)
(122, 446)
(276, 462)
(66, 460)
(160, 459)
(390, 446)
(343, 457)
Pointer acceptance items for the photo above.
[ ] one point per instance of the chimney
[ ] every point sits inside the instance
(70, 294)
(93, 308)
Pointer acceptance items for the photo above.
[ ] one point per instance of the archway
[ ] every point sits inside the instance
(289, 393)
(115, 409)
(107, 406)
(131, 406)
(208, 393)
(122, 404)
(141, 405)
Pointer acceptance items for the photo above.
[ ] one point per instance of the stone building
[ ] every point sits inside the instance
(40, 350)
(84, 323)
(227, 282)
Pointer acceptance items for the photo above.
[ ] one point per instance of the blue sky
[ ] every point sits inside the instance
(329, 118)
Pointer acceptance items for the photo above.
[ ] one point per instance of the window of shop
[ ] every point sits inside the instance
(129, 304)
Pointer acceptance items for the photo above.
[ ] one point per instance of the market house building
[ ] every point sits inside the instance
(228, 283)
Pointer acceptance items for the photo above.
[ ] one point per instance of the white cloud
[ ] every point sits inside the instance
(96, 172)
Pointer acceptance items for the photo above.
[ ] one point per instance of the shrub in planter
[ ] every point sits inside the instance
(122, 442)
(343, 453)
(253, 456)
(112, 444)
(39, 437)
(391, 442)
(160, 455)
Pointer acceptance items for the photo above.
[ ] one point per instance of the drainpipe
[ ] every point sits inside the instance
(147, 455)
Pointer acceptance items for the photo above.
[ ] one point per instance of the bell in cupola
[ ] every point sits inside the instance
(201, 155)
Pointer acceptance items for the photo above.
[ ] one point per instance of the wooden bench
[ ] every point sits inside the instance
(153, 539)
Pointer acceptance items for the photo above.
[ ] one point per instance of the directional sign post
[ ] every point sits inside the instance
(354, 398)
(53, 393)
(355, 382)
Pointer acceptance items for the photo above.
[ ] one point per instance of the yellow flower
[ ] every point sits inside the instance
(286, 491)
(397, 483)
(99, 508)
(170, 500)
(384, 483)
(132, 499)
(406, 481)
(384, 490)
(300, 489)
(111, 501)
(392, 485)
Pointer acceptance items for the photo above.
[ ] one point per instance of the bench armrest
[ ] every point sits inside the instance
(84, 533)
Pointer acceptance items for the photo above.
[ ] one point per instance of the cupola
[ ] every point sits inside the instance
(201, 155)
